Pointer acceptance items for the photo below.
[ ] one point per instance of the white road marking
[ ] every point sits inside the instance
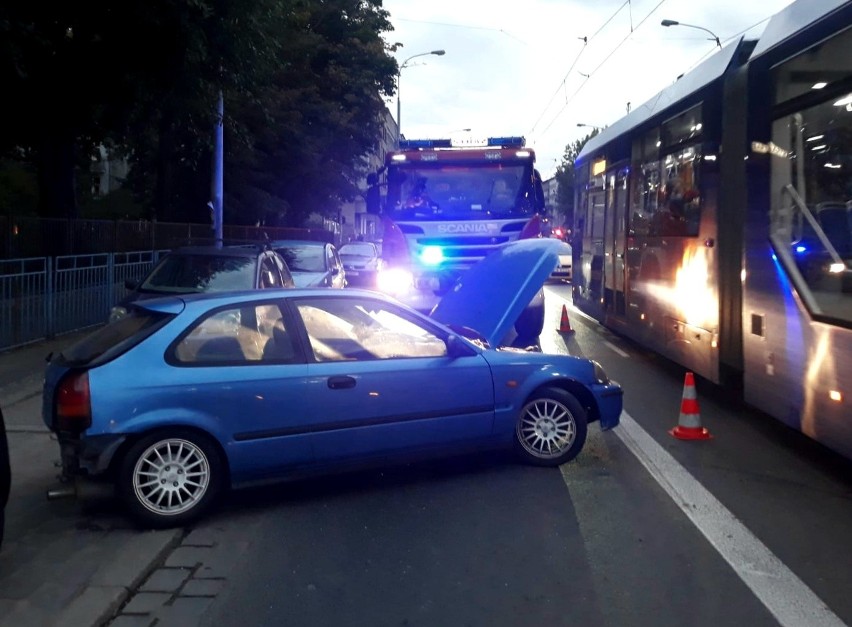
(786, 597)
(615, 349)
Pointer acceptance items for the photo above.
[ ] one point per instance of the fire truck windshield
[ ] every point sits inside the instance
(451, 191)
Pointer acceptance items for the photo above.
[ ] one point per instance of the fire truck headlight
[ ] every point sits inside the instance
(394, 280)
(432, 255)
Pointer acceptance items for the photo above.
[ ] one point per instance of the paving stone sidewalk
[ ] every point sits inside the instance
(61, 564)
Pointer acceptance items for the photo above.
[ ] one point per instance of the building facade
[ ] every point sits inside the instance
(355, 222)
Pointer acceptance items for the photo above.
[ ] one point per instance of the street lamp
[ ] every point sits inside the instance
(706, 30)
(597, 128)
(402, 66)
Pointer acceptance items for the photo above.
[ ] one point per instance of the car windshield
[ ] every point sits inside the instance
(358, 250)
(303, 258)
(180, 273)
(439, 192)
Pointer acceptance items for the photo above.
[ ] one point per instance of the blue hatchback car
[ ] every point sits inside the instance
(189, 395)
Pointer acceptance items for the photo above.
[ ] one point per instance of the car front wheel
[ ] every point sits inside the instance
(551, 428)
(168, 479)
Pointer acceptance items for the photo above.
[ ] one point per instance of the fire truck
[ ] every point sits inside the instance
(447, 204)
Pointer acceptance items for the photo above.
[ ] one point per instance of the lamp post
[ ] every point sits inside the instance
(706, 30)
(592, 126)
(402, 66)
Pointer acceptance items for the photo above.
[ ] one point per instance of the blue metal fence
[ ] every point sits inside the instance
(42, 297)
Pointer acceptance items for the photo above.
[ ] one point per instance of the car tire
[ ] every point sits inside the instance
(170, 478)
(551, 428)
(530, 323)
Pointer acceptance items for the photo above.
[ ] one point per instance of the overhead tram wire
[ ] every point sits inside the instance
(607, 58)
(586, 41)
(467, 26)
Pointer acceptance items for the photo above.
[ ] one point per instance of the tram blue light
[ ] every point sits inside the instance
(801, 249)
(432, 255)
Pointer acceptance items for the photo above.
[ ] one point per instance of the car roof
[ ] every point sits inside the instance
(214, 299)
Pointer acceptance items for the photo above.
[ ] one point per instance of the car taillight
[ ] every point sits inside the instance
(73, 403)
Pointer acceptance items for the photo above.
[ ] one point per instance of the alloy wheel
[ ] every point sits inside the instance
(546, 428)
(171, 476)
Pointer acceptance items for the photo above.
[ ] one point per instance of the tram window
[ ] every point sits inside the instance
(683, 128)
(647, 148)
(680, 201)
(818, 140)
(815, 69)
(644, 198)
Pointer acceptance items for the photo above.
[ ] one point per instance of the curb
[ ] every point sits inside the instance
(112, 585)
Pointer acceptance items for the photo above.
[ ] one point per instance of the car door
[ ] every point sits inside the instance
(242, 366)
(380, 381)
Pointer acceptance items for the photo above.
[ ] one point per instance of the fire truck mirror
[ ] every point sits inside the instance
(539, 192)
(373, 199)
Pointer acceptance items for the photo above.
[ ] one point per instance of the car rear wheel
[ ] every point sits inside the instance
(168, 479)
(551, 428)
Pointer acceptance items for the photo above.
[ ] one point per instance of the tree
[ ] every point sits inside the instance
(305, 139)
(302, 80)
(81, 73)
(566, 178)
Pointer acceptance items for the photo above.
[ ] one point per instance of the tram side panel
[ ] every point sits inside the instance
(797, 294)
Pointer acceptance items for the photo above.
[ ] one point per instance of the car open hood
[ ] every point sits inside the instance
(490, 296)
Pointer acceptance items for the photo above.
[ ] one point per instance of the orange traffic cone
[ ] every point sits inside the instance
(564, 324)
(689, 423)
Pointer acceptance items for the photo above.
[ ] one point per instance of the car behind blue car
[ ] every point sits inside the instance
(186, 396)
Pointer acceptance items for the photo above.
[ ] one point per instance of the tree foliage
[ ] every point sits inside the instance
(566, 177)
(302, 80)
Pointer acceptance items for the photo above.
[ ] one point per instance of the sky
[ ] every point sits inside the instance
(538, 68)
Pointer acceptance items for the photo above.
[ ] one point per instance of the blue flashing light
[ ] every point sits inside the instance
(432, 255)
(801, 249)
(507, 142)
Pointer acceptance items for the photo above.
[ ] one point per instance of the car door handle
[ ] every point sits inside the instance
(341, 383)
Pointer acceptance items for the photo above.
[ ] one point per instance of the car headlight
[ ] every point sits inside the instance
(394, 281)
(600, 373)
(117, 313)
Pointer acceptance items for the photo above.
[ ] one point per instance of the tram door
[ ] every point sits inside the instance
(614, 242)
(594, 253)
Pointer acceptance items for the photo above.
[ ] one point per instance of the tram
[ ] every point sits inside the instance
(713, 224)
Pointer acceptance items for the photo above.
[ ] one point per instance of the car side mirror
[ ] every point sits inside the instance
(457, 347)
(131, 284)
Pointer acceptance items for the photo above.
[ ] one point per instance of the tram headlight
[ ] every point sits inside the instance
(394, 280)
(600, 373)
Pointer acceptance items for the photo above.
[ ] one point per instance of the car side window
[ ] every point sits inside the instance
(362, 329)
(249, 334)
